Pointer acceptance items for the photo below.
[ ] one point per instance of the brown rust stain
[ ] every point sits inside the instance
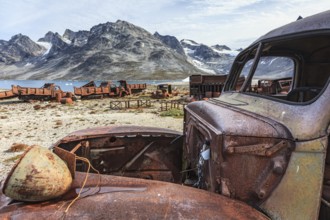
(50, 156)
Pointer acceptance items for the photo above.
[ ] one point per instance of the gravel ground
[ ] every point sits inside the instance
(21, 123)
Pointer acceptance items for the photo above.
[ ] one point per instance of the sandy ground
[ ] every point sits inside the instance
(20, 123)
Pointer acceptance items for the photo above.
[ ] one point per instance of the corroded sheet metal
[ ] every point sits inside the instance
(142, 152)
(49, 91)
(229, 117)
(39, 175)
(305, 171)
(7, 94)
(126, 198)
(248, 154)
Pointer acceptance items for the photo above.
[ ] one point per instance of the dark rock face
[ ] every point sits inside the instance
(56, 40)
(77, 39)
(171, 41)
(206, 53)
(19, 48)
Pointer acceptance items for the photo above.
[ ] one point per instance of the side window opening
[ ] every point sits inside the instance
(272, 77)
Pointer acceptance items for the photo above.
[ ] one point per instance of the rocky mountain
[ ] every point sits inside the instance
(118, 50)
(19, 48)
(216, 59)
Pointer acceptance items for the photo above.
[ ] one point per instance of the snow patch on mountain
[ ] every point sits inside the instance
(216, 59)
(46, 45)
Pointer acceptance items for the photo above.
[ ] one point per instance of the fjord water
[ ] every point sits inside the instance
(69, 84)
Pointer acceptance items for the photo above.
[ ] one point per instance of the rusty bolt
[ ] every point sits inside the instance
(261, 194)
(278, 167)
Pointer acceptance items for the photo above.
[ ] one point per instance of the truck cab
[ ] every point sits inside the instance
(269, 149)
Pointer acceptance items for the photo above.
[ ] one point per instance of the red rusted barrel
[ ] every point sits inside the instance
(66, 101)
(208, 94)
(216, 94)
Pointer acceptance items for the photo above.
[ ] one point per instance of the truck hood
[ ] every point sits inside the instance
(231, 120)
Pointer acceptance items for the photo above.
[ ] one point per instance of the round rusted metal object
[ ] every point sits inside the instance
(39, 175)
(66, 101)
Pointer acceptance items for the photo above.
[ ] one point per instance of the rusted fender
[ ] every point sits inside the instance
(131, 198)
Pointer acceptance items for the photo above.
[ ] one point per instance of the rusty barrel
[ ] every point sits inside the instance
(39, 175)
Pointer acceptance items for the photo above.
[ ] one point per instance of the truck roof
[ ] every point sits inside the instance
(317, 22)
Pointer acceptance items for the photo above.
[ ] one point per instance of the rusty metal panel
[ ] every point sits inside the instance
(284, 113)
(305, 171)
(7, 94)
(49, 91)
(127, 198)
(206, 86)
(248, 154)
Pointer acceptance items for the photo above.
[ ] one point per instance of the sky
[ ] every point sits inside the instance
(235, 23)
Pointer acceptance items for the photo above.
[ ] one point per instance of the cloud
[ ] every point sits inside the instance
(206, 21)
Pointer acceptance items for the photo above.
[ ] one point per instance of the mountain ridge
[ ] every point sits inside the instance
(118, 50)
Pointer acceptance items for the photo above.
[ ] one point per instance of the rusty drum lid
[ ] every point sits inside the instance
(39, 175)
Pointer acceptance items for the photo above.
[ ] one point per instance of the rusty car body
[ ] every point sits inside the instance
(91, 91)
(131, 88)
(108, 89)
(49, 91)
(259, 155)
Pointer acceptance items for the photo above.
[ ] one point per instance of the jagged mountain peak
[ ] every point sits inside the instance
(69, 34)
(209, 59)
(20, 38)
(220, 47)
(19, 47)
(119, 28)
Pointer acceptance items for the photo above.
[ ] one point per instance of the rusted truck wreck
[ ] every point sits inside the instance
(108, 89)
(48, 92)
(245, 155)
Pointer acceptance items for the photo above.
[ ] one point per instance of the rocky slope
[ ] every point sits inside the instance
(19, 48)
(216, 59)
(118, 50)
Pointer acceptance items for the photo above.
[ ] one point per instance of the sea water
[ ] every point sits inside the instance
(69, 84)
